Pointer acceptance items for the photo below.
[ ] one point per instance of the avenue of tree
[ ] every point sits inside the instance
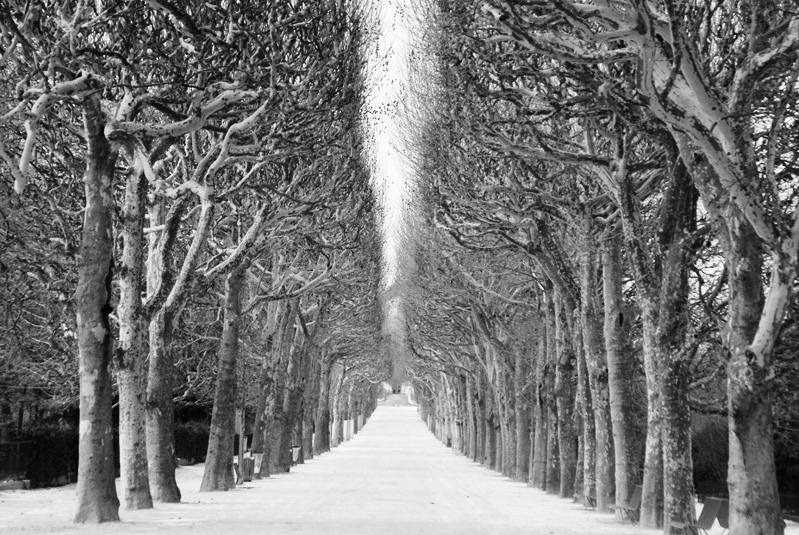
(604, 238)
(222, 230)
(612, 185)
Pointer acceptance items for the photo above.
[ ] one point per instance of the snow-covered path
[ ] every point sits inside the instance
(393, 477)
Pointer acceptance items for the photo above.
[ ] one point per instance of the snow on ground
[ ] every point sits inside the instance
(392, 477)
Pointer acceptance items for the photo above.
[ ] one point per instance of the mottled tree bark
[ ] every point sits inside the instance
(132, 351)
(597, 382)
(480, 427)
(752, 326)
(564, 398)
(552, 452)
(161, 411)
(652, 495)
(218, 471)
(522, 417)
(585, 482)
(619, 370)
(490, 459)
(97, 496)
(275, 387)
(538, 475)
(169, 295)
(311, 403)
(676, 225)
(322, 419)
(751, 474)
(471, 418)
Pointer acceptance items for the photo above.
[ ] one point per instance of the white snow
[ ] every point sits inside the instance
(392, 477)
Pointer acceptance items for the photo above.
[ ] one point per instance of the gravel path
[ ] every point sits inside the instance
(392, 478)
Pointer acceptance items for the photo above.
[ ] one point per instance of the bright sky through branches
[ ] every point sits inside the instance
(392, 173)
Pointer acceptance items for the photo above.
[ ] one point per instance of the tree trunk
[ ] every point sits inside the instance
(322, 422)
(619, 370)
(274, 429)
(132, 350)
(471, 419)
(335, 403)
(160, 411)
(277, 386)
(292, 414)
(480, 416)
(264, 385)
(498, 459)
(552, 453)
(491, 442)
(598, 384)
(97, 496)
(307, 437)
(652, 495)
(751, 474)
(678, 468)
(538, 476)
(522, 416)
(586, 483)
(752, 325)
(259, 425)
(170, 294)
(564, 397)
(218, 471)
(507, 420)
(311, 402)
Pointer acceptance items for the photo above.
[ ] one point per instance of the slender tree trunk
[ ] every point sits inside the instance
(552, 453)
(97, 496)
(471, 419)
(498, 458)
(678, 499)
(480, 418)
(132, 350)
(564, 396)
(264, 386)
(218, 472)
(335, 404)
(292, 414)
(598, 384)
(311, 402)
(587, 455)
(491, 441)
(538, 477)
(276, 400)
(678, 468)
(522, 416)
(161, 411)
(619, 370)
(307, 437)
(507, 420)
(259, 425)
(322, 423)
(652, 496)
(274, 428)
(579, 473)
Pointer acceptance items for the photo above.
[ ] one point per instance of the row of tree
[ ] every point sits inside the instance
(614, 187)
(224, 211)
